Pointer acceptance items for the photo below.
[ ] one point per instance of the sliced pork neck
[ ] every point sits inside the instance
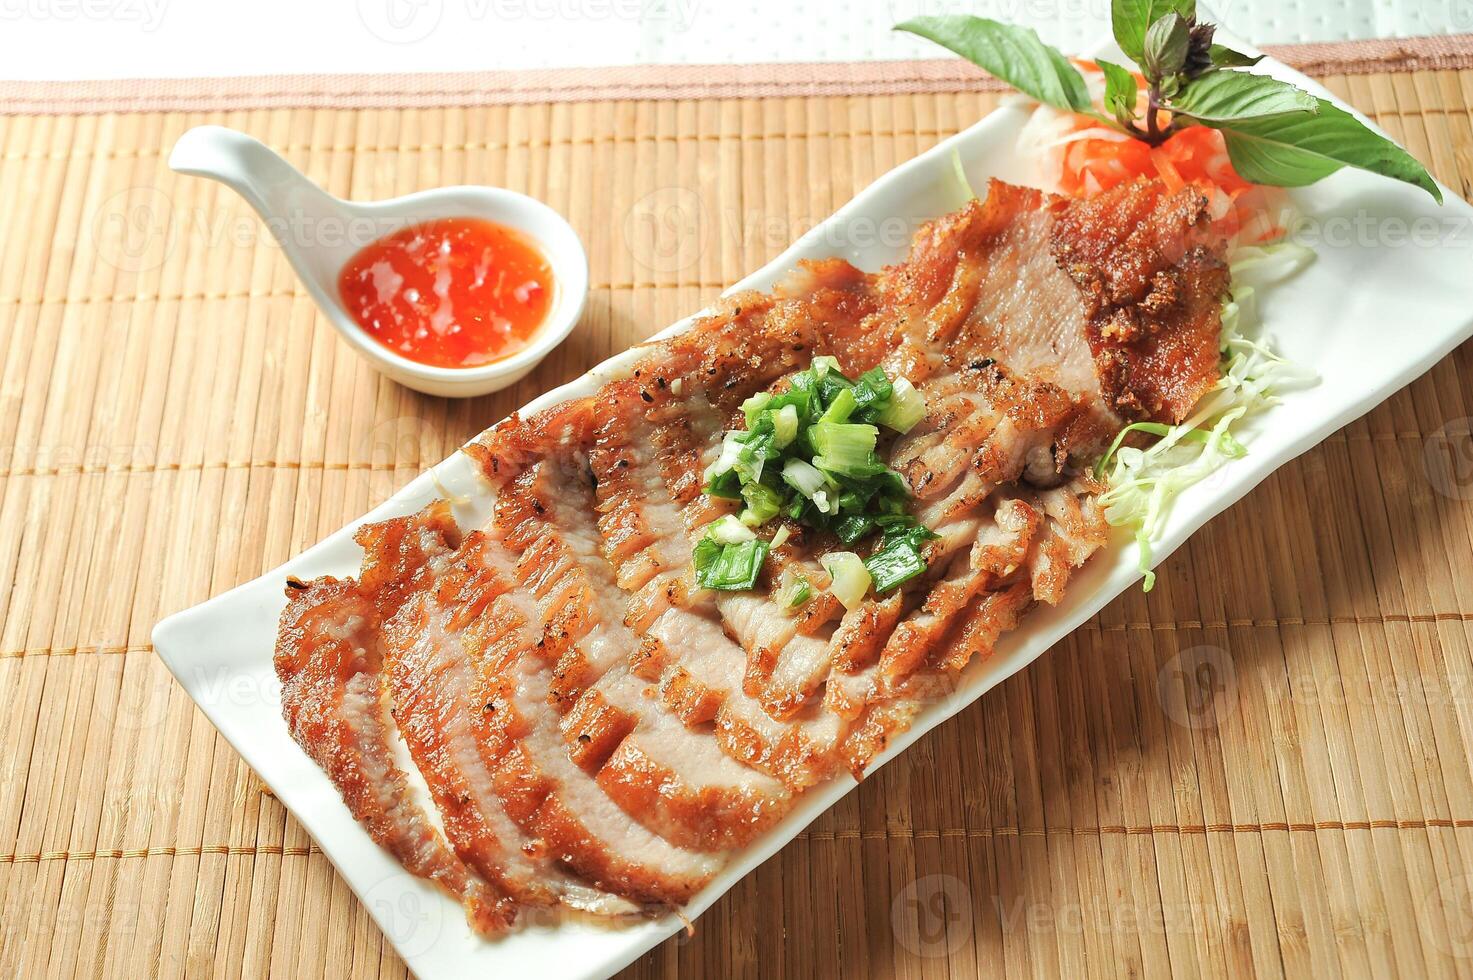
(595, 730)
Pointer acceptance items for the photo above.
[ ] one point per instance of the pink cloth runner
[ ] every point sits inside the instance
(442, 89)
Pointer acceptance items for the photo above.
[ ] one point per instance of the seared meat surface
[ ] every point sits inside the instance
(600, 733)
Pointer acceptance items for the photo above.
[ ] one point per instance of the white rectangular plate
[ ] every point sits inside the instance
(1378, 307)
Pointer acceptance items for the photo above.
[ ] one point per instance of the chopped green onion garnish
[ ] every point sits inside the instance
(810, 453)
(823, 364)
(796, 590)
(763, 504)
(841, 407)
(851, 529)
(872, 392)
(804, 478)
(785, 426)
(851, 578)
(905, 408)
(729, 567)
(831, 386)
(897, 560)
(846, 449)
(728, 485)
(729, 530)
(731, 449)
(753, 406)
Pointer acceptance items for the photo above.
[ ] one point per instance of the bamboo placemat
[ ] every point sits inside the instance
(1262, 766)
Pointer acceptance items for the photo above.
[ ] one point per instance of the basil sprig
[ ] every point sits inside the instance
(1276, 133)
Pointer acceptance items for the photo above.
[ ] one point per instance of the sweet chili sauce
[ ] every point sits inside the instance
(454, 292)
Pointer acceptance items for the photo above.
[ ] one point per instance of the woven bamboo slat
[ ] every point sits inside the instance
(1263, 767)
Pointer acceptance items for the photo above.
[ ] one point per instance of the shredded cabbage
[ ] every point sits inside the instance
(1144, 482)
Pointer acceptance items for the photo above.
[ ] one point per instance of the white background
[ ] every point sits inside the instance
(69, 39)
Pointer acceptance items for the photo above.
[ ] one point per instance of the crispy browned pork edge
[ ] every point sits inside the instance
(1152, 271)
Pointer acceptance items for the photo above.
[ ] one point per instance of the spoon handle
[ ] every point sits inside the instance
(281, 194)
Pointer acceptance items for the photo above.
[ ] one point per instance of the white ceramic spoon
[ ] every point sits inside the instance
(319, 233)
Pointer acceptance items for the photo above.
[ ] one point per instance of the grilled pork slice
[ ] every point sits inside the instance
(430, 652)
(675, 413)
(1021, 418)
(596, 729)
(997, 552)
(1115, 300)
(541, 784)
(636, 516)
(556, 800)
(732, 642)
(668, 612)
(1151, 276)
(672, 778)
(327, 657)
(749, 341)
(982, 282)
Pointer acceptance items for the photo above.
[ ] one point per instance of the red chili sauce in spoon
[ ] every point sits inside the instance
(454, 292)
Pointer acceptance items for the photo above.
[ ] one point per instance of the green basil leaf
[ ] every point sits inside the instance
(1166, 44)
(1295, 149)
(1225, 57)
(1130, 19)
(1220, 96)
(1013, 54)
(1121, 90)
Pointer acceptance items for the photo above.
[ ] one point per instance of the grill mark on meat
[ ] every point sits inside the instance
(678, 782)
(980, 626)
(711, 682)
(874, 629)
(545, 516)
(1067, 515)
(863, 632)
(634, 511)
(1075, 529)
(707, 684)
(431, 685)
